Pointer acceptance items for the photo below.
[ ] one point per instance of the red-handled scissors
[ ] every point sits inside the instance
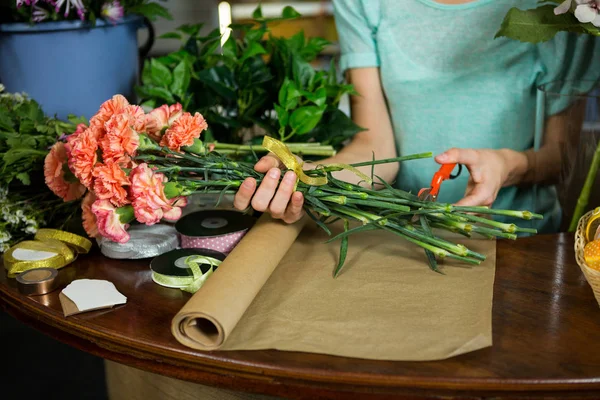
(444, 173)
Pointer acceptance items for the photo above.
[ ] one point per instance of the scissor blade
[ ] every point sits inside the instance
(425, 195)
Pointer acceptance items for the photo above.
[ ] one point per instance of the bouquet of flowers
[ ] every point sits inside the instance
(26, 204)
(138, 167)
(35, 11)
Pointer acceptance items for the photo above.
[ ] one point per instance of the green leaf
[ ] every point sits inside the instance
(335, 128)
(302, 71)
(430, 256)
(24, 178)
(27, 127)
(147, 73)
(171, 35)
(257, 14)
(181, 79)
(160, 74)
(296, 42)
(6, 123)
(221, 80)
(151, 11)
(22, 141)
(190, 29)
(317, 97)
(304, 119)
(148, 92)
(230, 48)
(253, 49)
(255, 35)
(14, 155)
(343, 251)
(282, 115)
(537, 25)
(290, 13)
(289, 95)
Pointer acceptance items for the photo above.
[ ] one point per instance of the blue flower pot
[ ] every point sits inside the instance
(72, 67)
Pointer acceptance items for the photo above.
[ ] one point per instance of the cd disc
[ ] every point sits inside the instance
(210, 223)
(172, 263)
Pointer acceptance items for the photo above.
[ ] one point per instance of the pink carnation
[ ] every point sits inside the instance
(54, 172)
(150, 204)
(183, 131)
(83, 155)
(161, 118)
(109, 221)
(109, 184)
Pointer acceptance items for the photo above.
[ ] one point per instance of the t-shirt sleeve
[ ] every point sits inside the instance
(571, 65)
(356, 28)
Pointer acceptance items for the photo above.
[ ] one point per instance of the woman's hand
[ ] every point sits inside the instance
(281, 202)
(490, 170)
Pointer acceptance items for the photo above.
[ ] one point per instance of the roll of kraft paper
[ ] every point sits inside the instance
(203, 323)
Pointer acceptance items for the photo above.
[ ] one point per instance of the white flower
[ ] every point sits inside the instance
(77, 4)
(5, 236)
(4, 247)
(585, 11)
(31, 229)
(1, 88)
(40, 14)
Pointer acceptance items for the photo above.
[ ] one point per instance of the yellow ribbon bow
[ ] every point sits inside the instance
(291, 162)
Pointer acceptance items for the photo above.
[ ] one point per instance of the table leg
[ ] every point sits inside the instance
(126, 383)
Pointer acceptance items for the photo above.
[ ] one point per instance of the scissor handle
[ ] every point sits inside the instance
(444, 173)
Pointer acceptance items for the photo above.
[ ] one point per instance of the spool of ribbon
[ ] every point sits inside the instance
(291, 162)
(144, 242)
(37, 281)
(51, 248)
(192, 283)
(218, 230)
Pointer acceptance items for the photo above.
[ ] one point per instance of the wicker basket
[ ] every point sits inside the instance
(591, 275)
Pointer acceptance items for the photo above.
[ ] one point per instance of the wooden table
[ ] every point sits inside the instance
(546, 332)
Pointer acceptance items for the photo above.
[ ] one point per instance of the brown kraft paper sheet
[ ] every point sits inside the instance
(385, 305)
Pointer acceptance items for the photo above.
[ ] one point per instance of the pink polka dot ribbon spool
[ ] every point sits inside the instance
(219, 230)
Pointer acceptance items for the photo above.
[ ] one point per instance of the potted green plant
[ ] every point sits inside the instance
(71, 55)
(253, 84)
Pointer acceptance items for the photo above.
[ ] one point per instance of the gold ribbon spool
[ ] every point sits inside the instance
(289, 160)
(50, 249)
(79, 243)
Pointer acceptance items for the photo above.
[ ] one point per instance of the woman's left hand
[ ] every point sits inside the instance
(490, 170)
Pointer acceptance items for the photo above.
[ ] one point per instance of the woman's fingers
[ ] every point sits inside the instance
(283, 196)
(294, 210)
(266, 190)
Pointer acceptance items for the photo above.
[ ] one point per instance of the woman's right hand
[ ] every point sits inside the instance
(281, 202)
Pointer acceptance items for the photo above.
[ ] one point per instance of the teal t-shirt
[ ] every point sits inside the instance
(449, 83)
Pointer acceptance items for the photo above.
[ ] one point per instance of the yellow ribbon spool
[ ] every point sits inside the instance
(592, 225)
(50, 248)
(291, 162)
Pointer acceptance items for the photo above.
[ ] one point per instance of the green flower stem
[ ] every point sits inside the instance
(510, 228)
(392, 160)
(493, 232)
(527, 215)
(309, 149)
(584, 196)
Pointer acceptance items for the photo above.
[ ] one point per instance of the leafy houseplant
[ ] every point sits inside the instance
(91, 39)
(26, 204)
(253, 80)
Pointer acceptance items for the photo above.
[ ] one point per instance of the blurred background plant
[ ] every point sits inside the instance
(26, 203)
(249, 83)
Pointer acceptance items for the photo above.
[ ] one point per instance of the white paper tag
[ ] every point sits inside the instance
(93, 294)
(32, 255)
